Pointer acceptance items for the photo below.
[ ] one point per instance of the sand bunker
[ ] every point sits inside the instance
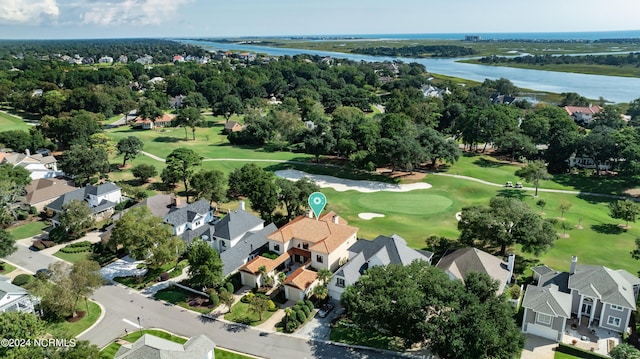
(341, 184)
(370, 215)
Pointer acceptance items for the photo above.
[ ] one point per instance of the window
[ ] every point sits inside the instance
(340, 282)
(615, 321)
(276, 247)
(319, 258)
(616, 307)
(305, 245)
(543, 319)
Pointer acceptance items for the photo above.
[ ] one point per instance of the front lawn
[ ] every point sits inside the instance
(9, 122)
(151, 277)
(29, 229)
(185, 299)
(358, 336)
(6, 268)
(70, 329)
(240, 313)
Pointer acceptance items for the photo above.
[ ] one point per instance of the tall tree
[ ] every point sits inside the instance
(625, 351)
(259, 305)
(72, 283)
(9, 195)
(129, 147)
(205, 265)
(228, 106)
(227, 299)
(182, 162)
(84, 162)
(144, 171)
(189, 117)
(506, 221)
(76, 218)
(209, 185)
(625, 210)
(534, 172)
(294, 195)
(19, 175)
(7, 243)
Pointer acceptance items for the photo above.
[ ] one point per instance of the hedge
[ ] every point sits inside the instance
(22, 279)
(577, 352)
(80, 244)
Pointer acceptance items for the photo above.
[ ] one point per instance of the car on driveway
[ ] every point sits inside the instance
(44, 273)
(325, 309)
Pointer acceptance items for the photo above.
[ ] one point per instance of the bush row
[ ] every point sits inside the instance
(299, 314)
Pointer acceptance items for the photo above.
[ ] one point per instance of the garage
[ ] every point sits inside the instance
(542, 331)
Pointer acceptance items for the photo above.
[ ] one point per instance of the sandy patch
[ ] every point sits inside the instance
(341, 184)
(370, 215)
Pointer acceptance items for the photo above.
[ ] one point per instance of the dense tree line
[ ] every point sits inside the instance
(417, 51)
(632, 59)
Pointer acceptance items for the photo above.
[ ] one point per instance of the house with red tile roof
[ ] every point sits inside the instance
(582, 115)
(304, 246)
(147, 124)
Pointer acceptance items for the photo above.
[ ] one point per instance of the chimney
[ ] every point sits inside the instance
(242, 205)
(176, 202)
(511, 261)
(336, 219)
(27, 152)
(574, 263)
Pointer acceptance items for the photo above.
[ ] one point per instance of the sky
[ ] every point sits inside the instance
(49, 19)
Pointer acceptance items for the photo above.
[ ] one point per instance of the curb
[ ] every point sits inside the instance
(103, 312)
(18, 267)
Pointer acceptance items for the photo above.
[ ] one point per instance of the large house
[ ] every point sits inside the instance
(582, 114)
(38, 165)
(152, 347)
(459, 263)
(238, 237)
(595, 296)
(365, 254)
(165, 120)
(41, 192)
(304, 246)
(14, 298)
(101, 199)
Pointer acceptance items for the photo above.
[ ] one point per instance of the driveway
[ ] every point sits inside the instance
(538, 348)
(319, 328)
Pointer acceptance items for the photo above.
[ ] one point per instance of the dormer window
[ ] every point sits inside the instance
(305, 245)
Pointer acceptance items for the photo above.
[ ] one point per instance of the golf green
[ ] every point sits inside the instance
(413, 202)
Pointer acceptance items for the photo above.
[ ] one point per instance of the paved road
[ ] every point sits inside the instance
(30, 260)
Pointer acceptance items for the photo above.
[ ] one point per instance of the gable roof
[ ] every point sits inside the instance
(389, 250)
(16, 158)
(8, 288)
(248, 245)
(165, 118)
(236, 223)
(323, 234)
(466, 260)
(591, 110)
(609, 286)
(101, 189)
(81, 193)
(231, 124)
(301, 278)
(152, 347)
(547, 300)
(178, 216)
(44, 189)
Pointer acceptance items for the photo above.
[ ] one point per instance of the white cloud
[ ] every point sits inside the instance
(131, 12)
(27, 11)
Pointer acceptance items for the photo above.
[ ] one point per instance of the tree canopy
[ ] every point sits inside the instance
(129, 147)
(205, 265)
(181, 164)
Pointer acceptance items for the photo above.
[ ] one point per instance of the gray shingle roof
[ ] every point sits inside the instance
(235, 224)
(101, 189)
(80, 194)
(601, 282)
(235, 257)
(6, 287)
(466, 260)
(547, 300)
(390, 250)
(152, 347)
(180, 216)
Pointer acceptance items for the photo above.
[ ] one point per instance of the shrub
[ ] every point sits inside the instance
(58, 235)
(247, 297)
(300, 303)
(272, 306)
(80, 244)
(222, 290)
(33, 210)
(22, 215)
(215, 300)
(230, 288)
(291, 326)
(164, 276)
(22, 279)
(309, 304)
(300, 316)
(306, 311)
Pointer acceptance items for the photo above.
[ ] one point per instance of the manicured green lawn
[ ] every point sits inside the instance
(179, 297)
(6, 268)
(73, 257)
(73, 329)
(240, 314)
(225, 354)
(8, 122)
(29, 230)
(559, 355)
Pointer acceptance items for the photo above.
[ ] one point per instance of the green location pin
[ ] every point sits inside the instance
(317, 201)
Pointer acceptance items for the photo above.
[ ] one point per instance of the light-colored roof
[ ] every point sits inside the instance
(600, 282)
(270, 264)
(152, 347)
(581, 109)
(167, 117)
(44, 189)
(466, 260)
(323, 234)
(547, 300)
(16, 158)
(301, 278)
